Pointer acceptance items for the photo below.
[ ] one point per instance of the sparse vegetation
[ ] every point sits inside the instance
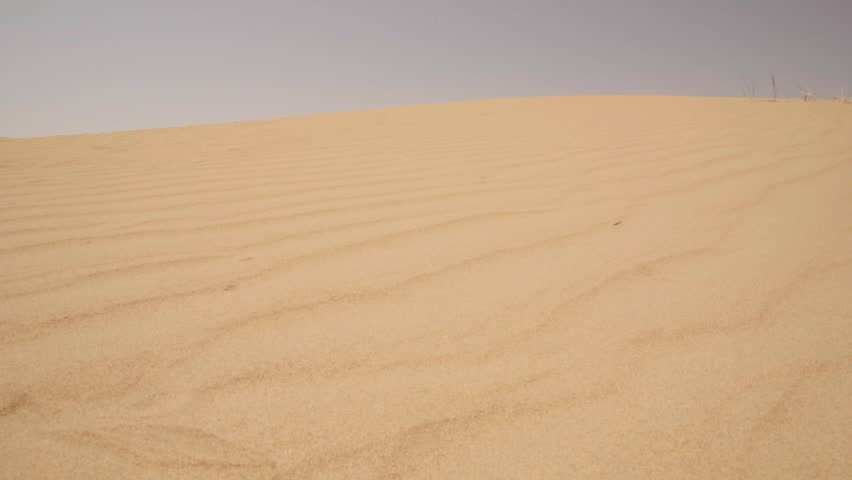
(748, 90)
(774, 90)
(806, 94)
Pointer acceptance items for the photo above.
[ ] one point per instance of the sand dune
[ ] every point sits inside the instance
(589, 287)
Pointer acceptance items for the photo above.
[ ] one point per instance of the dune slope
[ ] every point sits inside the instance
(588, 287)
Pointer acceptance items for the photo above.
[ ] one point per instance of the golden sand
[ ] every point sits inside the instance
(543, 288)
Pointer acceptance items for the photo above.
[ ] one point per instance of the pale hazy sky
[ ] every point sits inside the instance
(88, 66)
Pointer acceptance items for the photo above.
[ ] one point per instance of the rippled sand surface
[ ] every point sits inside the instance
(587, 287)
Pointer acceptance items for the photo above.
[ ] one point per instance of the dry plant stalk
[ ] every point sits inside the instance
(774, 90)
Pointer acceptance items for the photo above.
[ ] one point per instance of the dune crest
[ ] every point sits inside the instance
(579, 287)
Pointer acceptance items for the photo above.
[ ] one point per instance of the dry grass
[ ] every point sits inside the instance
(806, 94)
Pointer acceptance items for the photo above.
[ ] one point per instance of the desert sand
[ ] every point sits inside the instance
(554, 288)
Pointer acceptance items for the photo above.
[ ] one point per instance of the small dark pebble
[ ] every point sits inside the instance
(616, 224)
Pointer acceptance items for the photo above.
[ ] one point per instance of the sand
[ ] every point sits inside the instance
(554, 288)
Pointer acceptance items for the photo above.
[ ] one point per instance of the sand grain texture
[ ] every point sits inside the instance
(584, 287)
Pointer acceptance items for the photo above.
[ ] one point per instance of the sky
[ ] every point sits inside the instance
(94, 66)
